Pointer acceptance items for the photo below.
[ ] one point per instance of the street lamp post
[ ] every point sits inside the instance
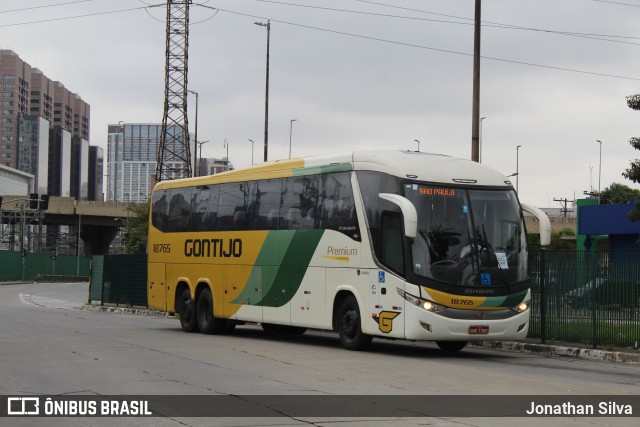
(418, 145)
(291, 134)
(195, 154)
(480, 143)
(266, 98)
(599, 170)
(517, 166)
(200, 144)
(226, 145)
(251, 140)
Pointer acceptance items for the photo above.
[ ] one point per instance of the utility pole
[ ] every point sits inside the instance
(475, 119)
(266, 97)
(564, 203)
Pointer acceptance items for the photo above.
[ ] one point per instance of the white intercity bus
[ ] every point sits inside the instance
(390, 244)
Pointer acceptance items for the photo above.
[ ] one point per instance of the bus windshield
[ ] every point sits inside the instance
(468, 237)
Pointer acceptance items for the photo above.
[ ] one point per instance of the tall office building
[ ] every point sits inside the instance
(132, 151)
(96, 169)
(33, 108)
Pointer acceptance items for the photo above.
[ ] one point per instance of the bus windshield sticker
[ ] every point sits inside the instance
(485, 279)
(502, 260)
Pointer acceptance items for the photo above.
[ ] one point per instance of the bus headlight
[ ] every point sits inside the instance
(419, 302)
(522, 307)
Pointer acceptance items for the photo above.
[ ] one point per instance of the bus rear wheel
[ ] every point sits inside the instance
(451, 345)
(349, 326)
(207, 322)
(187, 311)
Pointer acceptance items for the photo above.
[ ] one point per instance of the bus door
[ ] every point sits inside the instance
(276, 300)
(231, 291)
(308, 303)
(156, 286)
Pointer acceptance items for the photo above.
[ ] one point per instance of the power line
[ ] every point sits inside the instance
(452, 52)
(76, 16)
(492, 24)
(44, 6)
(617, 3)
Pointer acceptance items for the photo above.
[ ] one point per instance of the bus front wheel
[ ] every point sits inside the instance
(451, 345)
(207, 322)
(187, 311)
(349, 326)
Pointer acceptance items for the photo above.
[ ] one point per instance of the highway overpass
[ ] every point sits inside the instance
(98, 221)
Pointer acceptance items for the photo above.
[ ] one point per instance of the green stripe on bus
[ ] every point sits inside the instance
(505, 301)
(280, 267)
(288, 277)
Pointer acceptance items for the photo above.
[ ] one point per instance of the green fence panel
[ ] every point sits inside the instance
(96, 282)
(590, 297)
(10, 266)
(15, 267)
(125, 280)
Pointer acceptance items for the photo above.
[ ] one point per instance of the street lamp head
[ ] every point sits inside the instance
(251, 140)
(262, 24)
(518, 147)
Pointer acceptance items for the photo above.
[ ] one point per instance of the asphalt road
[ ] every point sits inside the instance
(50, 346)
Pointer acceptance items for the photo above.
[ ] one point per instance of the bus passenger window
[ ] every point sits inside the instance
(179, 209)
(159, 209)
(203, 208)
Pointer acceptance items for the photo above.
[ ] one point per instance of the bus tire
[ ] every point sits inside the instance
(187, 311)
(350, 327)
(451, 345)
(207, 323)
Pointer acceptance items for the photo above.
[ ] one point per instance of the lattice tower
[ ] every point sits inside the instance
(174, 152)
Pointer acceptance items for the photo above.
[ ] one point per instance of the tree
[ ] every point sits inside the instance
(633, 173)
(563, 239)
(618, 194)
(137, 227)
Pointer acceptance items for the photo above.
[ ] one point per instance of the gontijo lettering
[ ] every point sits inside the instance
(207, 248)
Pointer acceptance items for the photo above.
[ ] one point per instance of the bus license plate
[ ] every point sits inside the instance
(478, 330)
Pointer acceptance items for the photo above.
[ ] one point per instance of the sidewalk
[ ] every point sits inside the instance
(626, 356)
(629, 357)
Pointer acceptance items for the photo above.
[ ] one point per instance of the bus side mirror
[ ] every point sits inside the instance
(545, 224)
(409, 213)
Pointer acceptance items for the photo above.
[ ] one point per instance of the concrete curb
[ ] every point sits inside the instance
(126, 310)
(562, 351)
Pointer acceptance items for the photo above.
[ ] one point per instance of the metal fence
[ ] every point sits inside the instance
(577, 296)
(119, 279)
(589, 297)
(16, 267)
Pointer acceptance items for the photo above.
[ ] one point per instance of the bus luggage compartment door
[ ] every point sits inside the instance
(156, 286)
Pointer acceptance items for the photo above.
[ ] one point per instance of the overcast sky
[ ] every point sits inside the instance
(377, 79)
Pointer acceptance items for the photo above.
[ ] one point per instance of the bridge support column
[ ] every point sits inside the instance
(97, 238)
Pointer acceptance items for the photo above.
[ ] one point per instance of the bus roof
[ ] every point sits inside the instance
(405, 164)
